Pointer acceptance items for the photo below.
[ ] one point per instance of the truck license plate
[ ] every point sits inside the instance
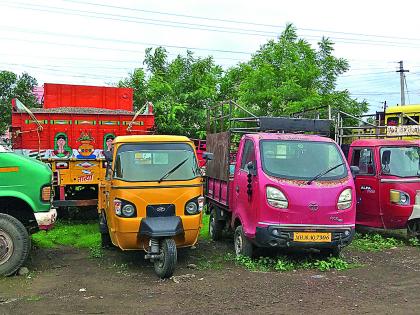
(312, 237)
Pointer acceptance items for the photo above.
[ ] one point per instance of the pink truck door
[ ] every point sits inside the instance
(242, 200)
(368, 210)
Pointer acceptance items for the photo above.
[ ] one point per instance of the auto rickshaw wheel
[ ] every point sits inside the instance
(165, 266)
(106, 242)
(215, 226)
(243, 246)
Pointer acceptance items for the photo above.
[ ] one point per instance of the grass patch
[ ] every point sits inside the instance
(374, 242)
(414, 241)
(34, 298)
(284, 263)
(215, 262)
(84, 235)
(280, 264)
(204, 231)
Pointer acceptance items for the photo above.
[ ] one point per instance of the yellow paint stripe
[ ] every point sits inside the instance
(9, 169)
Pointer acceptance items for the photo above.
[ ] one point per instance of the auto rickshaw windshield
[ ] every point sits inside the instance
(400, 161)
(146, 162)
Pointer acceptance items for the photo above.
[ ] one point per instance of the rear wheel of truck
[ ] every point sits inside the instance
(165, 266)
(215, 226)
(243, 246)
(15, 244)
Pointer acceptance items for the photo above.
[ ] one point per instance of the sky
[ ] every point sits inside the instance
(95, 42)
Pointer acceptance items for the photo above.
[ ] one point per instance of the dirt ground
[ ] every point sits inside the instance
(68, 281)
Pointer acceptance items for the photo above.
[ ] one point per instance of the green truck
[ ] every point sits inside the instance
(25, 207)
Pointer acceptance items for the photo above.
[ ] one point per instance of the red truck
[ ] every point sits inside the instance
(388, 183)
(73, 131)
(385, 147)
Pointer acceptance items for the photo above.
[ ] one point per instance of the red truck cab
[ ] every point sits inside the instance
(388, 183)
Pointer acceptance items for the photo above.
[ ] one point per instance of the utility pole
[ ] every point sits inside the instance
(401, 71)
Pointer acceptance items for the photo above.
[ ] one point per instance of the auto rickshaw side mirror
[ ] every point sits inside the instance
(355, 170)
(208, 156)
(108, 162)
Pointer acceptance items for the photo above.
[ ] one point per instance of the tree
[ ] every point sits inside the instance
(287, 76)
(179, 89)
(13, 86)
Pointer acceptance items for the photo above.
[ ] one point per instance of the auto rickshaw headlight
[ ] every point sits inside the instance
(191, 207)
(345, 199)
(128, 210)
(399, 197)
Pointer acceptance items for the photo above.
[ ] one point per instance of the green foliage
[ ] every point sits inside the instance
(13, 86)
(76, 235)
(284, 76)
(287, 76)
(204, 232)
(180, 90)
(284, 263)
(414, 241)
(34, 298)
(374, 242)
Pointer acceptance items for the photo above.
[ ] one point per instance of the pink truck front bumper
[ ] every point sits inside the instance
(46, 220)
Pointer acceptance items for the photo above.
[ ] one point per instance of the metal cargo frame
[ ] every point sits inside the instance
(227, 121)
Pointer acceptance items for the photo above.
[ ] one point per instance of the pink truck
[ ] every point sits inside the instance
(279, 190)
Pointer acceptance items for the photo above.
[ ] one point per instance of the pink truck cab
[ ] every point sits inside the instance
(388, 184)
(280, 190)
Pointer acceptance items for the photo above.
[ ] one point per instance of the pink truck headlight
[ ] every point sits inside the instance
(345, 199)
(276, 198)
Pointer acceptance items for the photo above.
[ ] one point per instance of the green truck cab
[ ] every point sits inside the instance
(25, 207)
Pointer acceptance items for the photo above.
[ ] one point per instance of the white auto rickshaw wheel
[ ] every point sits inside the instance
(165, 266)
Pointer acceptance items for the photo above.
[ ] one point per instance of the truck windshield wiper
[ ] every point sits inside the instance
(172, 170)
(323, 173)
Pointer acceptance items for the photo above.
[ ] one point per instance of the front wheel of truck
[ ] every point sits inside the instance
(215, 226)
(165, 265)
(413, 229)
(15, 244)
(243, 246)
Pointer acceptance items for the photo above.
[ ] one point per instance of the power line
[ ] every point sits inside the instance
(190, 25)
(237, 21)
(117, 49)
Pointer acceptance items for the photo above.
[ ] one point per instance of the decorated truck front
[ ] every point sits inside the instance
(74, 131)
